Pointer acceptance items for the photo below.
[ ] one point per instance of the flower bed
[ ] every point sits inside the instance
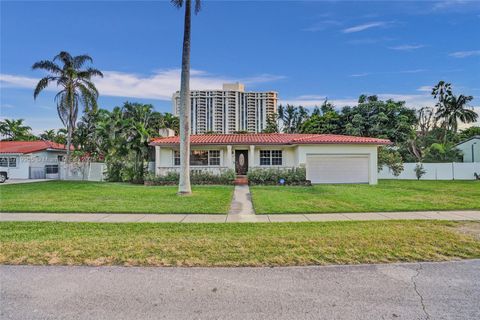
(196, 177)
(275, 176)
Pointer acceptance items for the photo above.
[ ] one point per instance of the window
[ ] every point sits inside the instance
(200, 158)
(12, 162)
(276, 157)
(51, 169)
(265, 157)
(8, 162)
(214, 157)
(271, 157)
(59, 158)
(176, 158)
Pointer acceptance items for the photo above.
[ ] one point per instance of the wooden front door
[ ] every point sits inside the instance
(241, 162)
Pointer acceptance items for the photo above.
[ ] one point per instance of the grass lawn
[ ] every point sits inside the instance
(388, 195)
(79, 196)
(276, 244)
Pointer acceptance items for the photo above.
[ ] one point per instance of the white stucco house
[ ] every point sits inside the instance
(31, 159)
(327, 158)
(470, 149)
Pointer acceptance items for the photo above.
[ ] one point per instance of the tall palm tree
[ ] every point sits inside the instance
(184, 187)
(15, 130)
(454, 109)
(76, 88)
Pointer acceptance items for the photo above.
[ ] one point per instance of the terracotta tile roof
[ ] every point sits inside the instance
(269, 139)
(29, 146)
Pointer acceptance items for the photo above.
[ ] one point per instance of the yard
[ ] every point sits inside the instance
(95, 197)
(279, 244)
(388, 195)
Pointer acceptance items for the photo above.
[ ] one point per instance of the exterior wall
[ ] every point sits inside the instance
(370, 150)
(292, 156)
(229, 110)
(26, 162)
(466, 149)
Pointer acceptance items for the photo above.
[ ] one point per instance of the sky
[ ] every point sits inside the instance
(306, 51)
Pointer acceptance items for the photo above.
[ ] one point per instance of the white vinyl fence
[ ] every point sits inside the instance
(436, 171)
(88, 171)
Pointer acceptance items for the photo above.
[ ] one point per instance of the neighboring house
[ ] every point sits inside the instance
(229, 110)
(31, 159)
(327, 158)
(470, 149)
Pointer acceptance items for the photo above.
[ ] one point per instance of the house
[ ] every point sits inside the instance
(31, 159)
(470, 149)
(327, 158)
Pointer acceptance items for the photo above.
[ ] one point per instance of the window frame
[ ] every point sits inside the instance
(271, 158)
(8, 162)
(51, 166)
(211, 157)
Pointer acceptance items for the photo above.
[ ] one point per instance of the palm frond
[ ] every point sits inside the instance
(177, 3)
(48, 66)
(90, 72)
(198, 6)
(79, 61)
(42, 84)
(65, 57)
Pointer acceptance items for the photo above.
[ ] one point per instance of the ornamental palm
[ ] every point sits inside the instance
(454, 109)
(76, 88)
(15, 130)
(184, 186)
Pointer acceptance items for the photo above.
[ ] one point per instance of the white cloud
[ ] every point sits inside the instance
(407, 47)
(365, 26)
(465, 54)
(322, 25)
(356, 75)
(425, 89)
(313, 100)
(160, 85)
(7, 106)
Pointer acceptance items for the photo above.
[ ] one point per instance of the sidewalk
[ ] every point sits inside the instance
(219, 218)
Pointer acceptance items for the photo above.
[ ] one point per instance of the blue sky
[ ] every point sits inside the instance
(304, 50)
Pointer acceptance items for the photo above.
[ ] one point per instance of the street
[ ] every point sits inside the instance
(448, 290)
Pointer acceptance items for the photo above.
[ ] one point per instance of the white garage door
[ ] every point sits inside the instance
(338, 168)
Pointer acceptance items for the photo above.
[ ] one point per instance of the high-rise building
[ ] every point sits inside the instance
(229, 110)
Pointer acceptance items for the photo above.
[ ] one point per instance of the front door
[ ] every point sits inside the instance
(241, 162)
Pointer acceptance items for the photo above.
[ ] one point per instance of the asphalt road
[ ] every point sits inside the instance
(448, 290)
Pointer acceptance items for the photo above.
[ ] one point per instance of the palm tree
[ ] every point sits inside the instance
(184, 186)
(15, 130)
(454, 109)
(76, 87)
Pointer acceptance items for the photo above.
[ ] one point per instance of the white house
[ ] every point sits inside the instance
(327, 158)
(470, 149)
(31, 159)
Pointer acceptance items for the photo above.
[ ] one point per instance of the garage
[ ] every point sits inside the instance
(338, 168)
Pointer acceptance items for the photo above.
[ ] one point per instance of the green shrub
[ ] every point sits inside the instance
(196, 177)
(272, 176)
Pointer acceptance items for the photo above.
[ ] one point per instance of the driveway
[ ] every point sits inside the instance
(447, 290)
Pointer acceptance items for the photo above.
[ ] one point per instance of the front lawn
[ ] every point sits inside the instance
(388, 195)
(95, 197)
(276, 244)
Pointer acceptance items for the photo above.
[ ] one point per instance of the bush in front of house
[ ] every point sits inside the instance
(272, 176)
(196, 177)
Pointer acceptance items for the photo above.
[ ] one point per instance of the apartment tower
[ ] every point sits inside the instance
(229, 110)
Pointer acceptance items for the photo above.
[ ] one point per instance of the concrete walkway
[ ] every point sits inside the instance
(241, 209)
(219, 218)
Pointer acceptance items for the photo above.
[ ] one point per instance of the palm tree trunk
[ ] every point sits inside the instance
(184, 112)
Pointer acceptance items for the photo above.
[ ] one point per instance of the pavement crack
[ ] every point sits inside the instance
(422, 302)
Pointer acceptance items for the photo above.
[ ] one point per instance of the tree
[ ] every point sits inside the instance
(58, 136)
(454, 109)
(469, 132)
(272, 125)
(184, 187)
(391, 158)
(15, 130)
(76, 88)
(419, 171)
